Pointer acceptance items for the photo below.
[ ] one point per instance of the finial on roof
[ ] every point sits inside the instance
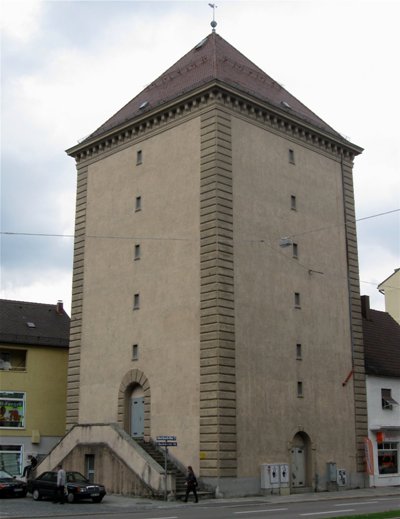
(213, 23)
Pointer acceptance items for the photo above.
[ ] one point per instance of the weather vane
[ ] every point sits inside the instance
(213, 23)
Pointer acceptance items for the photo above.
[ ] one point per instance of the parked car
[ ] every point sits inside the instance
(10, 486)
(77, 488)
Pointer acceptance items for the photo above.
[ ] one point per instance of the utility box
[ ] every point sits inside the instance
(341, 477)
(274, 476)
(284, 474)
(331, 472)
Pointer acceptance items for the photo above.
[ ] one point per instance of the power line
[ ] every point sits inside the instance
(53, 235)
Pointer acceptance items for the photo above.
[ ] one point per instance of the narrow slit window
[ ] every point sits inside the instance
(139, 157)
(293, 202)
(299, 351)
(136, 301)
(300, 389)
(137, 251)
(291, 157)
(138, 203)
(297, 300)
(135, 351)
(295, 250)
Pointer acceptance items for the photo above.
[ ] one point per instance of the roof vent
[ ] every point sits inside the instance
(30, 324)
(199, 45)
(285, 104)
(143, 105)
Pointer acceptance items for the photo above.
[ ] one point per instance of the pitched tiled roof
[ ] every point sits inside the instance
(212, 60)
(47, 328)
(381, 343)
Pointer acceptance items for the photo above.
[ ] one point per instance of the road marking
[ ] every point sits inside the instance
(261, 511)
(330, 512)
(358, 503)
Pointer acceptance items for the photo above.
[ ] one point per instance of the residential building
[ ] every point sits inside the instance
(382, 366)
(34, 341)
(390, 288)
(216, 285)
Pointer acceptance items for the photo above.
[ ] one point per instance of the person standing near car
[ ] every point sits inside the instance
(60, 490)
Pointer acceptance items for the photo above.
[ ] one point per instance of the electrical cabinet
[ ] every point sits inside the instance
(341, 477)
(274, 475)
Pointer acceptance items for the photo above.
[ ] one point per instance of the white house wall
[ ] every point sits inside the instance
(385, 420)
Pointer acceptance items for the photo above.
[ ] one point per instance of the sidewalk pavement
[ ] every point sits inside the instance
(367, 493)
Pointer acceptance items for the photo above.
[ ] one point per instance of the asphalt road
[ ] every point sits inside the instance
(136, 508)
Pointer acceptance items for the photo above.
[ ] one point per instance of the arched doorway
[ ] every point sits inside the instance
(136, 408)
(300, 461)
(134, 402)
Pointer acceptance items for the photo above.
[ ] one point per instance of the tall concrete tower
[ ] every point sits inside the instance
(216, 289)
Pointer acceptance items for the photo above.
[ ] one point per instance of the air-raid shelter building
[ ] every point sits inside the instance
(215, 287)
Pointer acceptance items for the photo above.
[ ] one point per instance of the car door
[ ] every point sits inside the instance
(48, 484)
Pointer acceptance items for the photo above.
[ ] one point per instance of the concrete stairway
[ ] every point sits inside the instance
(158, 454)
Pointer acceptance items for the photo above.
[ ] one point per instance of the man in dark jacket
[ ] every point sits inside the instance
(191, 484)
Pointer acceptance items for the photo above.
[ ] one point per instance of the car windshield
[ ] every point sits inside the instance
(5, 474)
(76, 477)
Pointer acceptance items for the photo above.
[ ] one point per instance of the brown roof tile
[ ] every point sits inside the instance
(213, 60)
(381, 344)
(49, 327)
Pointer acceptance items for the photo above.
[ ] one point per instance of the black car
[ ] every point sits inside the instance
(10, 486)
(77, 488)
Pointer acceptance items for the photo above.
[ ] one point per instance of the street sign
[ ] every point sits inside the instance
(166, 441)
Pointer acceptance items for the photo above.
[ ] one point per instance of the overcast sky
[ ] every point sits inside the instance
(67, 66)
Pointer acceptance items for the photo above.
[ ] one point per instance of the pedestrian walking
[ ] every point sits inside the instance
(191, 484)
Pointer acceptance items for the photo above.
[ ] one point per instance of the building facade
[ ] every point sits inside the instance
(34, 341)
(390, 288)
(382, 366)
(216, 279)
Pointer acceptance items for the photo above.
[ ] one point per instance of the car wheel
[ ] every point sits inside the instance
(36, 495)
(70, 497)
(97, 499)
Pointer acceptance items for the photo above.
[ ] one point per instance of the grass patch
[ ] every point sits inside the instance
(377, 515)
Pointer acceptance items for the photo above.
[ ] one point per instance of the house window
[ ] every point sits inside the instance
(12, 410)
(89, 464)
(135, 352)
(293, 202)
(291, 156)
(11, 459)
(299, 389)
(137, 251)
(387, 401)
(139, 157)
(136, 301)
(388, 457)
(297, 300)
(295, 250)
(12, 360)
(299, 352)
(138, 203)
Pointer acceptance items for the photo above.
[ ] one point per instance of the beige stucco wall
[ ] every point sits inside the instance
(166, 327)
(391, 290)
(268, 327)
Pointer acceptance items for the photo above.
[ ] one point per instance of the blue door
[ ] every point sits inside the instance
(137, 417)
